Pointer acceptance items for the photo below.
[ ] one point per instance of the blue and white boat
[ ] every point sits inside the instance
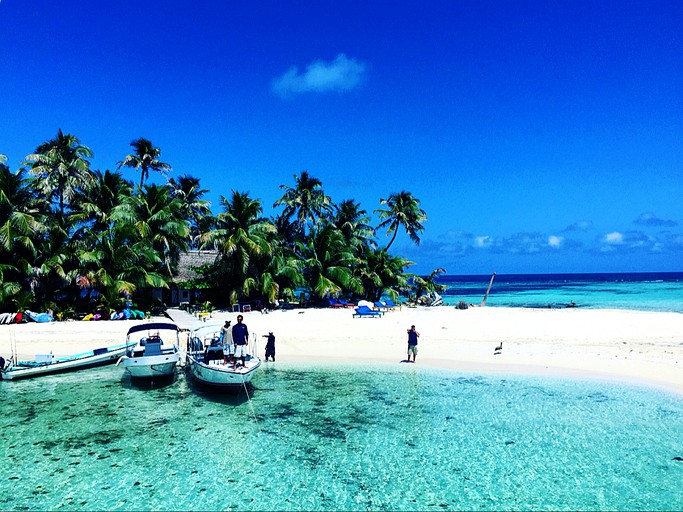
(154, 350)
(47, 364)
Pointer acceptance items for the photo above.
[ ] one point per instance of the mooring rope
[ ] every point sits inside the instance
(251, 405)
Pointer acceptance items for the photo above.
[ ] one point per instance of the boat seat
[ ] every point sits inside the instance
(153, 349)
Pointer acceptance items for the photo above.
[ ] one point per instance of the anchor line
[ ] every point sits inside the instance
(251, 405)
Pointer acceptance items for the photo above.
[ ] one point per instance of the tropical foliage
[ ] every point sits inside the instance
(74, 238)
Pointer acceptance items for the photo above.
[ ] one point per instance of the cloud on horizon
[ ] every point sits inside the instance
(340, 75)
(580, 226)
(649, 219)
(446, 249)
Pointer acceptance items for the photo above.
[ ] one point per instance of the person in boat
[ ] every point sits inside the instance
(240, 337)
(228, 345)
(270, 346)
(413, 335)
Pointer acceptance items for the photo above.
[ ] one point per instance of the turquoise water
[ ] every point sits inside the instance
(661, 291)
(340, 438)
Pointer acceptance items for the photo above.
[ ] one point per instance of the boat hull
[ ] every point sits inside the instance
(90, 360)
(219, 375)
(149, 367)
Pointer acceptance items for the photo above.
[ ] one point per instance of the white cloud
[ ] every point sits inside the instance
(341, 74)
(482, 241)
(555, 241)
(614, 238)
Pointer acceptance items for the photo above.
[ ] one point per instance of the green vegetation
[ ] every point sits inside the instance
(76, 239)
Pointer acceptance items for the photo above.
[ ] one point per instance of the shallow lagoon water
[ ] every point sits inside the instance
(340, 438)
(661, 291)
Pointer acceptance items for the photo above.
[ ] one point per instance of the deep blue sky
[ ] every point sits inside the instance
(539, 136)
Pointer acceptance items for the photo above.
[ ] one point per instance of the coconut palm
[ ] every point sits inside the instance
(353, 221)
(328, 263)
(159, 219)
(383, 274)
(242, 238)
(188, 191)
(48, 273)
(145, 158)
(93, 210)
(60, 168)
(306, 200)
(20, 229)
(402, 210)
(120, 260)
(19, 210)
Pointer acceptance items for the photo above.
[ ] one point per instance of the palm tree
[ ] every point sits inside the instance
(60, 168)
(306, 200)
(93, 210)
(159, 219)
(119, 260)
(383, 274)
(242, 238)
(20, 230)
(19, 208)
(48, 273)
(188, 191)
(328, 263)
(145, 158)
(353, 221)
(403, 210)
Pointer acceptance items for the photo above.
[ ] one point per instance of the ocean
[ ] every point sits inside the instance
(381, 437)
(662, 291)
(316, 437)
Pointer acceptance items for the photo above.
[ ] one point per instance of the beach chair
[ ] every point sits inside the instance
(346, 304)
(381, 306)
(390, 304)
(334, 303)
(362, 311)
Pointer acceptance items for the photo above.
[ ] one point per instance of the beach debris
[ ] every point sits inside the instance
(430, 299)
(462, 305)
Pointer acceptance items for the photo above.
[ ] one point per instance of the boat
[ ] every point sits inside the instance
(47, 364)
(205, 364)
(154, 350)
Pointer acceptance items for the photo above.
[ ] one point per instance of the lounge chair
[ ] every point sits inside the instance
(391, 304)
(346, 304)
(334, 303)
(381, 306)
(366, 311)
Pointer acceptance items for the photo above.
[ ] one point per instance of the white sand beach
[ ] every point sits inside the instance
(633, 346)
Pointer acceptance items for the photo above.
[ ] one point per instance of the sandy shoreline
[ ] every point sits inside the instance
(631, 346)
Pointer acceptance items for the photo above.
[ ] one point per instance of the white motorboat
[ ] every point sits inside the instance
(205, 362)
(46, 364)
(155, 354)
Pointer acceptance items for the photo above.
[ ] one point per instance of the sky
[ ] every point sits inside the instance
(539, 136)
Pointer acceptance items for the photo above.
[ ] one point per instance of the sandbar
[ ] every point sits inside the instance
(644, 348)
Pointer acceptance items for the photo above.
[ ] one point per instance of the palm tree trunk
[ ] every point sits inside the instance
(392, 238)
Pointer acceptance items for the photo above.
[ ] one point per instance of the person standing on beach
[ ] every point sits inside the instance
(413, 335)
(240, 336)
